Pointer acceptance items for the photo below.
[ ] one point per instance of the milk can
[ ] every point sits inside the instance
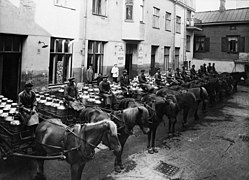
(61, 109)
(54, 106)
(41, 104)
(47, 105)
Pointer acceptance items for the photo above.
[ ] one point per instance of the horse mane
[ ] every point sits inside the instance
(111, 124)
(131, 113)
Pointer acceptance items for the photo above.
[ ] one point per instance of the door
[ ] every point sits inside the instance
(10, 69)
(153, 60)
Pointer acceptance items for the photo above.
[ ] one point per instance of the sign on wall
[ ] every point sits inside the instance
(120, 55)
(140, 54)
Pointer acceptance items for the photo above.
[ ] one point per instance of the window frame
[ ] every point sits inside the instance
(197, 39)
(178, 24)
(156, 16)
(98, 10)
(168, 21)
(166, 57)
(95, 57)
(60, 57)
(236, 44)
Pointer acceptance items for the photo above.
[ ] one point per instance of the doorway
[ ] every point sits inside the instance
(153, 60)
(10, 65)
(9, 68)
(130, 48)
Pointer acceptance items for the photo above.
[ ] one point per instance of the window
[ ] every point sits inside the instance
(178, 24)
(202, 44)
(233, 44)
(142, 11)
(10, 43)
(129, 9)
(168, 21)
(177, 55)
(156, 17)
(99, 7)
(166, 58)
(188, 43)
(64, 3)
(60, 63)
(95, 55)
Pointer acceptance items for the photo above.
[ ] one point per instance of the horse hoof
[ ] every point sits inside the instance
(117, 169)
(150, 151)
(155, 150)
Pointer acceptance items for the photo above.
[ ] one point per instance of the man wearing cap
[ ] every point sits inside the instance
(106, 93)
(158, 78)
(27, 106)
(70, 91)
(124, 82)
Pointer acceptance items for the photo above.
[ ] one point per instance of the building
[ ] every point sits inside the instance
(224, 39)
(36, 43)
(145, 34)
(50, 40)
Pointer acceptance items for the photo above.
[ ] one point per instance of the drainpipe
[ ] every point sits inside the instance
(184, 36)
(174, 36)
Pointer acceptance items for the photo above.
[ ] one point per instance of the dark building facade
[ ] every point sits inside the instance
(224, 39)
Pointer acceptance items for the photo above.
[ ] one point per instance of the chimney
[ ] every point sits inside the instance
(222, 5)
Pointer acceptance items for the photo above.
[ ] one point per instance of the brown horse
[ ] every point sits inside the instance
(158, 107)
(185, 101)
(125, 120)
(77, 143)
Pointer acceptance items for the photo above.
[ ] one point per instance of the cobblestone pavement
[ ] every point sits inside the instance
(212, 148)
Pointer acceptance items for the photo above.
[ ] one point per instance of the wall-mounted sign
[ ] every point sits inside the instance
(120, 53)
(140, 54)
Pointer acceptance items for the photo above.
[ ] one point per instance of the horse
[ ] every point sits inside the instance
(185, 101)
(158, 107)
(125, 120)
(236, 77)
(201, 95)
(77, 143)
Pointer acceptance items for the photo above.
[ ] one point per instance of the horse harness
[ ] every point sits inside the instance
(70, 130)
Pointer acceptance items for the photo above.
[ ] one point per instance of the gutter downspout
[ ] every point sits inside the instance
(174, 36)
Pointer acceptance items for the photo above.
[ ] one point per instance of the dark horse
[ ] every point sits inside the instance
(201, 95)
(77, 143)
(125, 120)
(185, 100)
(236, 78)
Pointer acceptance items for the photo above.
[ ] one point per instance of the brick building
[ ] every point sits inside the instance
(224, 39)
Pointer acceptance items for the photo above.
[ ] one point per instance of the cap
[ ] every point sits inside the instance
(71, 78)
(28, 84)
(125, 71)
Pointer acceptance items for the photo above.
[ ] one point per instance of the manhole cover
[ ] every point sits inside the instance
(244, 137)
(167, 169)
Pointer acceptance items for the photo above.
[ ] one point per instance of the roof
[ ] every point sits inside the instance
(227, 16)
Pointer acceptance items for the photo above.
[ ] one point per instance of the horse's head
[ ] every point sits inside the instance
(136, 116)
(110, 137)
(94, 133)
(143, 119)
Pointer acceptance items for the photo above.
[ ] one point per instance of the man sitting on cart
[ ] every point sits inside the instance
(125, 83)
(27, 106)
(106, 93)
(71, 96)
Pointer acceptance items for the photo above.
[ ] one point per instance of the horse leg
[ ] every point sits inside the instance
(153, 139)
(40, 170)
(149, 139)
(185, 116)
(170, 127)
(118, 165)
(173, 125)
(76, 170)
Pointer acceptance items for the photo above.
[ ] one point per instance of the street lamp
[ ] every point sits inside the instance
(44, 45)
